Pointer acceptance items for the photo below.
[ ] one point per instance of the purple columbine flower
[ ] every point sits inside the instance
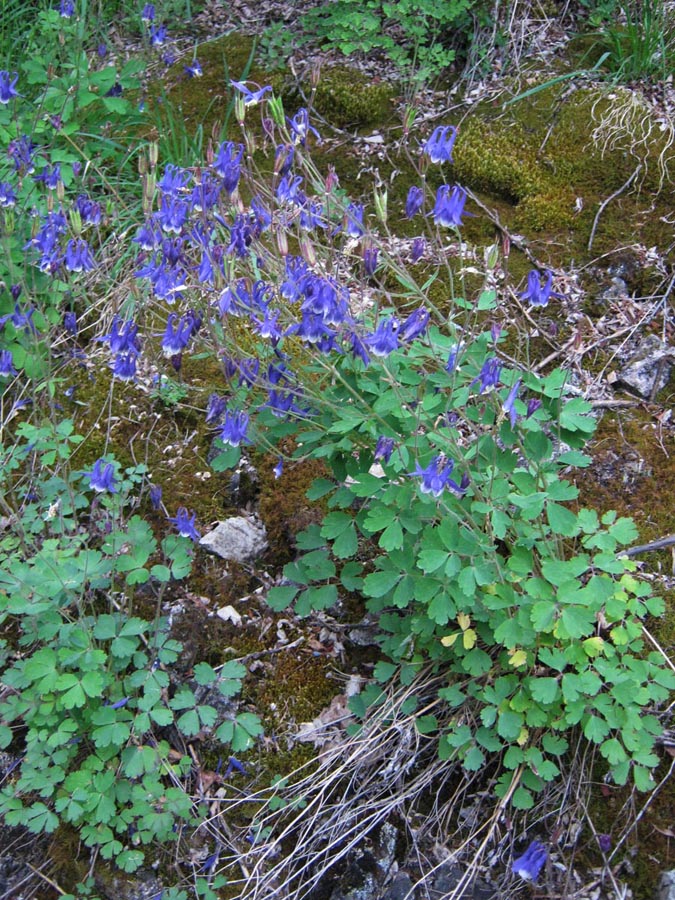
(124, 339)
(51, 177)
(174, 180)
(436, 477)
(605, 842)
(158, 35)
(414, 201)
(384, 340)
(532, 406)
(279, 467)
(234, 766)
(414, 325)
(530, 864)
(102, 50)
(489, 374)
(148, 13)
(118, 704)
(185, 524)
(538, 294)
(384, 448)
(300, 128)
(66, 9)
(124, 366)
(215, 407)
(439, 146)
(194, 70)
(251, 98)
(172, 214)
(283, 159)
(370, 259)
(509, 404)
(156, 496)
(7, 195)
(22, 149)
(449, 207)
(234, 428)
(288, 190)
(354, 220)
(8, 86)
(102, 477)
(70, 323)
(78, 257)
(7, 369)
(89, 210)
(228, 164)
(419, 246)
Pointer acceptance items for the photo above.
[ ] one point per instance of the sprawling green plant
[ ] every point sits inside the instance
(88, 692)
(420, 38)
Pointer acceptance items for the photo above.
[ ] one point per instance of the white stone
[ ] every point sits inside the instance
(236, 539)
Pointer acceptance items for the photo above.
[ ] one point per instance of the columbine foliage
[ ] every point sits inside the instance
(89, 685)
(447, 503)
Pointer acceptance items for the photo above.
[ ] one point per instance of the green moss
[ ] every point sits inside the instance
(347, 98)
(497, 158)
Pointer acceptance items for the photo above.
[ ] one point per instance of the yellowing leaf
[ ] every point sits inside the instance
(449, 639)
(463, 621)
(594, 646)
(517, 658)
(470, 637)
(522, 737)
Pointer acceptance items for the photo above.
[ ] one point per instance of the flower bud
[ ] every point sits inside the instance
(75, 222)
(380, 200)
(153, 153)
(409, 116)
(239, 109)
(250, 143)
(282, 240)
(307, 250)
(315, 73)
(275, 105)
(491, 257)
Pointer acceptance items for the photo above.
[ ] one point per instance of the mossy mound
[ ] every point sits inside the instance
(348, 98)
(497, 159)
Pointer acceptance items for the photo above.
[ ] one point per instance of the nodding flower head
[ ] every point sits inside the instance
(7, 369)
(436, 477)
(78, 257)
(185, 524)
(530, 864)
(414, 201)
(538, 294)
(233, 430)
(194, 69)
(102, 477)
(384, 448)
(439, 146)
(489, 374)
(449, 207)
(300, 128)
(384, 340)
(250, 97)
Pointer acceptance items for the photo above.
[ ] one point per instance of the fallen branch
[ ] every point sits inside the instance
(606, 202)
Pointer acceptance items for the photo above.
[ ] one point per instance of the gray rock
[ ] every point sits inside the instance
(448, 878)
(648, 370)
(236, 539)
(666, 888)
(400, 888)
